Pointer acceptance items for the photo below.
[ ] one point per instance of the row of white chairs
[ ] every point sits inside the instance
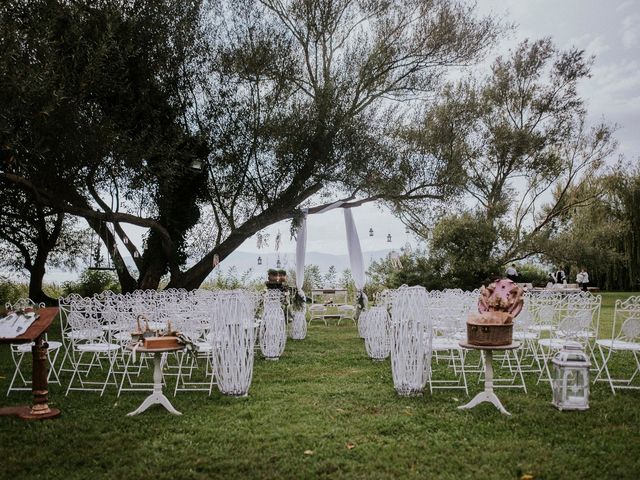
(547, 322)
(224, 327)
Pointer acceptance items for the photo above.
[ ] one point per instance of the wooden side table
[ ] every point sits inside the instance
(40, 409)
(487, 395)
(156, 397)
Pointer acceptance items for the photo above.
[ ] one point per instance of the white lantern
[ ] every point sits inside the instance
(571, 378)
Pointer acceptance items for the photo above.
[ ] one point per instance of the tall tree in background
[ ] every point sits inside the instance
(522, 135)
(603, 236)
(250, 110)
(33, 237)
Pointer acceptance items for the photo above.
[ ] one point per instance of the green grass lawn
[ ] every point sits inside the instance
(325, 410)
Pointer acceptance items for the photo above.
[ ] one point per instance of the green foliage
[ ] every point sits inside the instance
(312, 278)
(346, 282)
(10, 291)
(530, 273)
(602, 236)
(231, 279)
(92, 282)
(521, 136)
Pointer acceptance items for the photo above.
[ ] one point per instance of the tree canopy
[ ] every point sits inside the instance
(152, 113)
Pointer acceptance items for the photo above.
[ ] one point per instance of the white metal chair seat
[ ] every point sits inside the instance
(543, 328)
(204, 346)
(522, 336)
(347, 312)
(122, 337)
(317, 312)
(557, 344)
(83, 334)
(627, 315)
(19, 351)
(619, 345)
(26, 347)
(440, 343)
(97, 347)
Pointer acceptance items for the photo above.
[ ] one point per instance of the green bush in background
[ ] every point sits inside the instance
(91, 282)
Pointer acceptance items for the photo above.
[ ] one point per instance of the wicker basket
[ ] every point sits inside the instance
(489, 335)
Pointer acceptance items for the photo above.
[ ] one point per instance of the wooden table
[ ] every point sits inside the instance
(487, 395)
(157, 397)
(40, 409)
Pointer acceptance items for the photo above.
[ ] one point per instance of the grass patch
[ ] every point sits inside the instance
(325, 410)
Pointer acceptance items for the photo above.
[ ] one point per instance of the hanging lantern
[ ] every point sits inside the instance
(136, 254)
(259, 260)
(216, 260)
(389, 238)
(407, 230)
(278, 264)
(570, 382)
(125, 240)
(371, 232)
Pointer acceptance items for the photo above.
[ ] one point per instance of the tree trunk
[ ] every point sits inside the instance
(36, 276)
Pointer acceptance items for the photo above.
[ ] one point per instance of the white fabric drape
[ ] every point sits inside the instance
(301, 250)
(355, 252)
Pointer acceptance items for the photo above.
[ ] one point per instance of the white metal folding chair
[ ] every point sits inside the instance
(347, 312)
(317, 312)
(570, 330)
(625, 342)
(86, 335)
(21, 351)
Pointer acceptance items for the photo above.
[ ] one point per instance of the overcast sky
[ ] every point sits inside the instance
(609, 29)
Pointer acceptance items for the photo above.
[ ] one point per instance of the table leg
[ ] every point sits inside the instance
(40, 409)
(157, 397)
(487, 395)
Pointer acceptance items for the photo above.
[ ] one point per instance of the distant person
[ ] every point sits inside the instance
(512, 273)
(561, 277)
(585, 280)
(579, 279)
(551, 280)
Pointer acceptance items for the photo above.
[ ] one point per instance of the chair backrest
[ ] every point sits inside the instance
(627, 314)
(22, 303)
(81, 319)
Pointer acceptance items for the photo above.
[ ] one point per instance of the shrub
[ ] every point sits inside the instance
(10, 291)
(91, 282)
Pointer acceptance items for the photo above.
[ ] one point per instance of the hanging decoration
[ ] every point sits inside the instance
(389, 238)
(371, 232)
(407, 248)
(259, 260)
(356, 259)
(216, 260)
(95, 258)
(278, 263)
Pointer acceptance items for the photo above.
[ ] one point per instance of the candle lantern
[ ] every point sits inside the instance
(571, 378)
